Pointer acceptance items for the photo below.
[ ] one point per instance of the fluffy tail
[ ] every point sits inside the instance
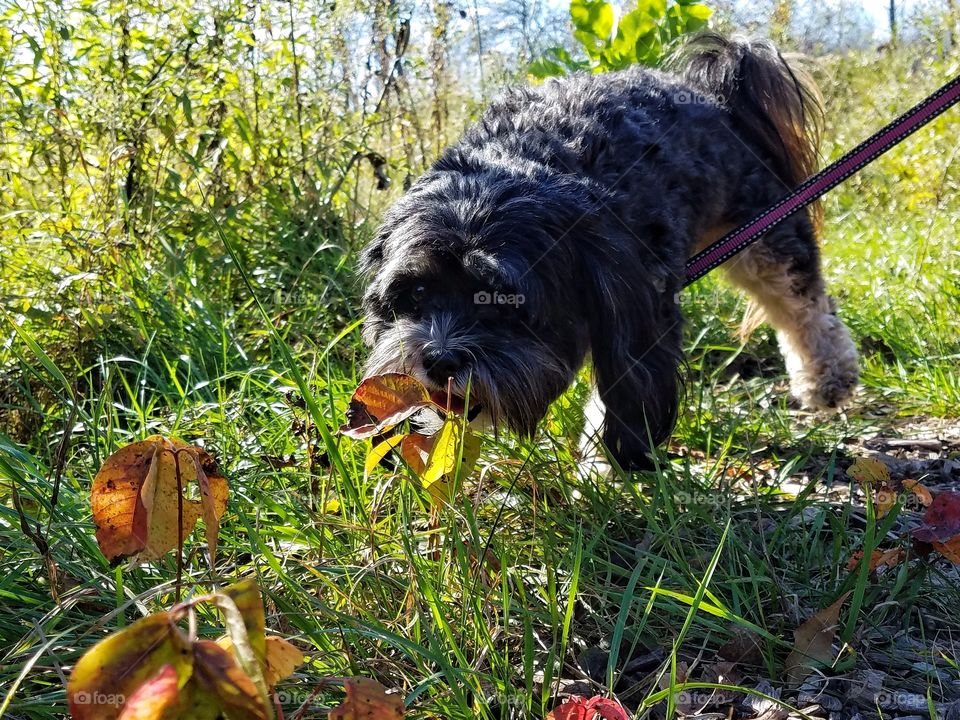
(775, 105)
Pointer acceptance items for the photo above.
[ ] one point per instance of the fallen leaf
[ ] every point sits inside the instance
(367, 700)
(868, 471)
(114, 668)
(941, 521)
(579, 708)
(921, 492)
(878, 559)
(813, 641)
(382, 401)
(156, 699)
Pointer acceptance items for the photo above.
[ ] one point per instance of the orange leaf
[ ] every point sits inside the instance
(156, 699)
(135, 502)
(115, 495)
(949, 549)
(813, 641)
(579, 708)
(382, 401)
(885, 500)
(878, 559)
(922, 493)
(415, 449)
(367, 700)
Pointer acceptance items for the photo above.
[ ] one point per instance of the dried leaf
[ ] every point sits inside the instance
(135, 503)
(161, 499)
(922, 493)
(156, 699)
(813, 641)
(114, 496)
(382, 401)
(868, 471)
(878, 559)
(283, 657)
(367, 700)
(579, 708)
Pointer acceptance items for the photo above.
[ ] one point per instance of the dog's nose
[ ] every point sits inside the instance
(443, 364)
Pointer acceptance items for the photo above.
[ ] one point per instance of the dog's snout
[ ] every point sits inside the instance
(442, 364)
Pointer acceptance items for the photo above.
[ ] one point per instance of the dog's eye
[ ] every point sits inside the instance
(417, 295)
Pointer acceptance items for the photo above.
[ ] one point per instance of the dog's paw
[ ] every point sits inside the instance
(826, 380)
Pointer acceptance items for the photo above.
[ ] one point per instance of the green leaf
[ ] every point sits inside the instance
(594, 17)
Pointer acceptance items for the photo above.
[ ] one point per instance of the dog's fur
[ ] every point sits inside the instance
(583, 198)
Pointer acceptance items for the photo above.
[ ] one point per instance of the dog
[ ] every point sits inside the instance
(558, 227)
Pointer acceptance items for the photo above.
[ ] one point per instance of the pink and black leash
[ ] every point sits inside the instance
(825, 180)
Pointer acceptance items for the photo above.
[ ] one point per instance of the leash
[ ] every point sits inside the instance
(825, 180)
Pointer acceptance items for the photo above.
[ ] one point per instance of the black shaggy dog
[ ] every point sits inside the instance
(559, 225)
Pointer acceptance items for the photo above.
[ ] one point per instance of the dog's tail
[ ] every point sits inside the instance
(774, 104)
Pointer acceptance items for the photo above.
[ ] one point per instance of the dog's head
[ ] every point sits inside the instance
(472, 277)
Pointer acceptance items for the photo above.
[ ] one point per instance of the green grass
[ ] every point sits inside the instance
(750, 528)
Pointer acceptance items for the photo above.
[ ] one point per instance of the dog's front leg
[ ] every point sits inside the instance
(636, 352)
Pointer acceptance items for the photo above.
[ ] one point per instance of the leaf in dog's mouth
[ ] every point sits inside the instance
(438, 442)
(381, 402)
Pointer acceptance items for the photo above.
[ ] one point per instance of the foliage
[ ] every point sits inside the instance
(641, 36)
(123, 316)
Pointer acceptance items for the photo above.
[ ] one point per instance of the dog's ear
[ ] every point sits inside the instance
(371, 257)
(636, 336)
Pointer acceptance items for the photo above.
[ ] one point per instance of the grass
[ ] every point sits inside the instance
(542, 581)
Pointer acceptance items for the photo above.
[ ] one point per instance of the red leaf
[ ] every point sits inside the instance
(580, 708)
(941, 521)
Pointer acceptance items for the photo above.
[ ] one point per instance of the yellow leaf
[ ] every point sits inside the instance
(283, 658)
(868, 471)
(439, 474)
(162, 500)
(379, 451)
